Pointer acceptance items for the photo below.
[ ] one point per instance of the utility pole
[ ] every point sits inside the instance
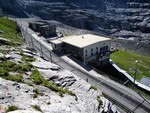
(41, 49)
(135, 71)
(32, 42)
(50, 56)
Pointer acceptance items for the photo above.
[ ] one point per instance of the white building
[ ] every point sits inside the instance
(88, 47)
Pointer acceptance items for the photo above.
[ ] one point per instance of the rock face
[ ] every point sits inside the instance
(21, 95)
(26, 96)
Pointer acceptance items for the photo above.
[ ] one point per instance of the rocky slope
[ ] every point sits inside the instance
(25, 94)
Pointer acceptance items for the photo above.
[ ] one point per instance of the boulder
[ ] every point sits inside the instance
(28, 55)
(29, 51)
(46, 65)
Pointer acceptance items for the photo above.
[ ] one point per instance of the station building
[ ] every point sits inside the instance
(88, 48)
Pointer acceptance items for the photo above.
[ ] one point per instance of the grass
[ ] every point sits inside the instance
(27, 59)
(139, 91)
(7, 66)
(12, 108)
(4, 51)
(99, 101)
(126, 61)
(36, 107)
(36, 93)
(67, 34)
(37, 78)
(10, 32)
(13, 67)
(17, 78)
(60, 94)
(93, 87)
(28, 83)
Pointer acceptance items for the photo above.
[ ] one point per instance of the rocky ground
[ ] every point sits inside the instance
(30, 97)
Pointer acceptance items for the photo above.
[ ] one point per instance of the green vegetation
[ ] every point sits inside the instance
(9, 28)
(17, 67)
(27, 59)
(40, 80)
(76, 98)
(17, 78)
(13, 67)
(26, 67)
(67, 34)
(126, 61)
(4, 51)
(36, 93)
(7, 66)
(99, 101)
(93, 87)
(3, 59)
(36, 107)
(12, 108)
(60, 94)
(139, 91)
(28, 83)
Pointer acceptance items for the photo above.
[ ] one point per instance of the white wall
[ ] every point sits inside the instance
(94, 46)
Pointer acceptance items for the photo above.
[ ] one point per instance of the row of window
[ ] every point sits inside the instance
(101, 49)
(97, 53)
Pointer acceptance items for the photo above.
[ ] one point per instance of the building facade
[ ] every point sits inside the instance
(87, 48)
(44, 29)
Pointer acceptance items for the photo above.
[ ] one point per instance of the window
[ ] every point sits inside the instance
(86, 55)
(91, 53)
(106, 47)
(101, 49)
(85, 51)
(92, 49)
(96, 52)
(96, 48)
(103, 43)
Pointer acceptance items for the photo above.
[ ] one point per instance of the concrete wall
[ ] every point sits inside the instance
(75, 51)
(99, 47)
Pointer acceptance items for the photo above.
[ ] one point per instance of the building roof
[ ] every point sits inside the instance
(56, 41)
(84, 40)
